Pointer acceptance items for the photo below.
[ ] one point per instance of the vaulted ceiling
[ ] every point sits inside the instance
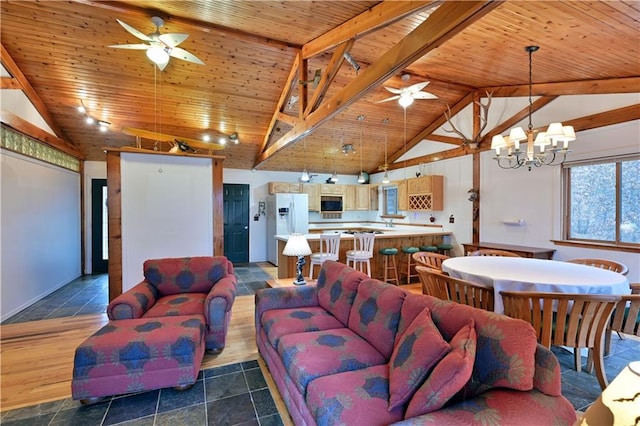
(257, 53)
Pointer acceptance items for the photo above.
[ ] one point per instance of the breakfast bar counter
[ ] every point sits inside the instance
(398, 236)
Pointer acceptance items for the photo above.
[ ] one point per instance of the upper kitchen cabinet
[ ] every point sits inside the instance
(331, 189)
(313, 191)
(349, 197)
(426, 193)
(362, 197)
(285, 187)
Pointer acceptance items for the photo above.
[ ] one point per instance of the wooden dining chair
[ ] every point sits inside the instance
(610, 265)
(626, 318)
(430, 259)
(492, 252)
(562, 319)
(439, 284)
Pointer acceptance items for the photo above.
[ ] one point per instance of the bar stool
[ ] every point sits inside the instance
(445, 248)
(409, 261)
(390, 253)
(431, 249)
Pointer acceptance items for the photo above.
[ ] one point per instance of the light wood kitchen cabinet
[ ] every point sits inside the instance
(426, 193)
(331, 189)
(349, 197)
(313, 191)
(285, 187)
(373, 198)
(403, 195)
(362, 196)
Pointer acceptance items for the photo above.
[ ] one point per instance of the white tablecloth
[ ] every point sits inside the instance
(525, 274)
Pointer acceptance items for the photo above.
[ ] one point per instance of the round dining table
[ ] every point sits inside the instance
(540, 275)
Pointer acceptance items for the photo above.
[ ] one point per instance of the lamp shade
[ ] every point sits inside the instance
(542, 139)
(554, 130)
(517, 134)
(498, 142)
(297, 245)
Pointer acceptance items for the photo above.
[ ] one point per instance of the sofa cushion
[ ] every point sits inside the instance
(337, 286)
(505, 354)
(177, 304)
(185, 274)
(375, 314)
(448, 376)
(280, 322)
(356, 397)
(307, 356)
(415, 354)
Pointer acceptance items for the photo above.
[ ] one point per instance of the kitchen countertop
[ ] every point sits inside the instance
(394, 232)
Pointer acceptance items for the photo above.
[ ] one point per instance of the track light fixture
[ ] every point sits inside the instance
(102, 125)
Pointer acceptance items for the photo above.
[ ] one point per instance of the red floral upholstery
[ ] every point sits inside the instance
(375, 314)
(362, 402)
(449, 375)
(204, 285)
(337, 286)
(280, 322)
(307, 356)
(413, 358)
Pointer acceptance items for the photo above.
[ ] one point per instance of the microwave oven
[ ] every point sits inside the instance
(330, 203)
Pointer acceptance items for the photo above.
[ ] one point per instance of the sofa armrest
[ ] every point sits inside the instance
(224, 294)
(546, 377)
(133, 303)
(285, 298)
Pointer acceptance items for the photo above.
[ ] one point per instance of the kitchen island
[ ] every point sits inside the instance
(398, 236)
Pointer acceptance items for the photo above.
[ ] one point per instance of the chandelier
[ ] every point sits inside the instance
(551, 144)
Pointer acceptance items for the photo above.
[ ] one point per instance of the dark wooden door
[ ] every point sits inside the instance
(99, 249)
(236, 222)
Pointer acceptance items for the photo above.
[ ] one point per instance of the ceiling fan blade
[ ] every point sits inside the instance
(424, 95)
(173, 39)
(417, 87)
(133, 31)
(392, 98)
(140, 46)
(394, 90)
(179, 53)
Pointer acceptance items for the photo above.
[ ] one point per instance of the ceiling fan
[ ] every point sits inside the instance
(160, 47)
(406, 95)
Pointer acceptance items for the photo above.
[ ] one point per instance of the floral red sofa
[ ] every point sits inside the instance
(356, 351)
(204, 285)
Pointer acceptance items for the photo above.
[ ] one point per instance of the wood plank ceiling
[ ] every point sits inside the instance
(255, 54)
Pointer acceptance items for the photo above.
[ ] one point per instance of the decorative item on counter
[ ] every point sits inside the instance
(297, 245)
(432, 219)
(452, 219)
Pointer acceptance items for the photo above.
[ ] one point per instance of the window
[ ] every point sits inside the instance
(390, 200)
(603, 201)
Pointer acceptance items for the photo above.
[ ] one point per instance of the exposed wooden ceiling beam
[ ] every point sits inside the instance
(327, 77)
(26, 128)
(377, 17)
(10, 83)
(607, 118)
(584, 87)
(286, 91)
(29, 91)
(447, 21)
(207, 27)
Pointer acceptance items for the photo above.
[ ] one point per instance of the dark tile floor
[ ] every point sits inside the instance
(231, 395)
(89, 294)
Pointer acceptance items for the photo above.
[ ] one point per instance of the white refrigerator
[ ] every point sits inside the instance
(286, 214)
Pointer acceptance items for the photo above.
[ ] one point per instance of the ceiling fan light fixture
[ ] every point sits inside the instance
(405, 100)
(158, 55)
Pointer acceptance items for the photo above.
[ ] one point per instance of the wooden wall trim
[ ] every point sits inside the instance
(114, 210)
(218, 209)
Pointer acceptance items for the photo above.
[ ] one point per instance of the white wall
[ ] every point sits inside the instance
(40, 230)
(167, 210)
(536, 197)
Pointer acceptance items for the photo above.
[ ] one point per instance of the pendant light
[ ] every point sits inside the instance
(361, 178)
(385, 178)
(305, 175)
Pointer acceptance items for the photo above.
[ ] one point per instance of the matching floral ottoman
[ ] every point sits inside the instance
(137, 355)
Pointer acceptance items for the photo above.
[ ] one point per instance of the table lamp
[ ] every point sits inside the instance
(297, 245)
